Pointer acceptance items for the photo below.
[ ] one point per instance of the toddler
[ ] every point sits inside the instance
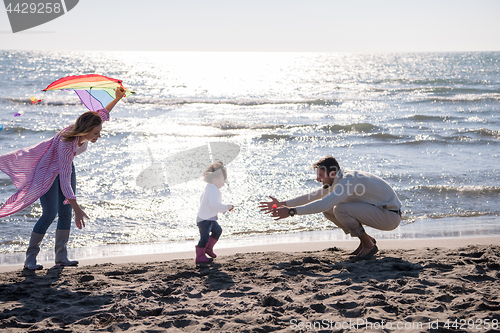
(210, 206)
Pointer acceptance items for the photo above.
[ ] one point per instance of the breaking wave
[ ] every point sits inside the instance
(73, 100)
(359, 127)
(467, 189)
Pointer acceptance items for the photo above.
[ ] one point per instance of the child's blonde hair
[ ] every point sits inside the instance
(215, 170)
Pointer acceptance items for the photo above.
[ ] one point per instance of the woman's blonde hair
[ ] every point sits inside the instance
(215, 170)
(83, 126)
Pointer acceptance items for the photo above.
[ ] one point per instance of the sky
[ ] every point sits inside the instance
(267, 26)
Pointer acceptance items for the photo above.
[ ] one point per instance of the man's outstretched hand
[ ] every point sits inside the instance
(267, 206)
(281, 213)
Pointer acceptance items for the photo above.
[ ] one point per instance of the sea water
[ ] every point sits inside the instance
(427, 123)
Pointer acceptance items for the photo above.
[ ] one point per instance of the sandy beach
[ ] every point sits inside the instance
(428, 285)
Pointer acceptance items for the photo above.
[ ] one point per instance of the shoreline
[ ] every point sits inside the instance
(420, 229)
(445, 233)
(230, 248)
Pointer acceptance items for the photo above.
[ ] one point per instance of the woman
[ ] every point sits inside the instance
(46, 171)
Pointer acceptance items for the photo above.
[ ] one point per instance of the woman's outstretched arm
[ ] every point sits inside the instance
(120, 92)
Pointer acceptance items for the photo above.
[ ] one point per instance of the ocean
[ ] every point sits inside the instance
(427, 123)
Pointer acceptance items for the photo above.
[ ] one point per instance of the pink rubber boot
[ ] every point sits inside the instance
(210, 247)
(201, 258)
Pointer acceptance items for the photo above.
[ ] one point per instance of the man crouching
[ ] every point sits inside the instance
(348, 198)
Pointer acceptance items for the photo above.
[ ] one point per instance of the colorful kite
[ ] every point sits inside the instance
(35, 100)
(95, 91)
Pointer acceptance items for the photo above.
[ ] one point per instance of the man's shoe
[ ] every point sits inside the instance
(355, 252)
(369, 255)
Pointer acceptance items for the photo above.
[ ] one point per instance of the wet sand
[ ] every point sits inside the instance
(423, 284)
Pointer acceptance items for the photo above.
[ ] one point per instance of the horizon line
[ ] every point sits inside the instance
(245, 51)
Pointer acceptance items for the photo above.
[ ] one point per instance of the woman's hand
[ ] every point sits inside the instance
(79, 221)
(120, 92)
(79, 214)
(267, 206)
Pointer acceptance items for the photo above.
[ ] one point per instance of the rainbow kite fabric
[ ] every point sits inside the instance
(95, 91)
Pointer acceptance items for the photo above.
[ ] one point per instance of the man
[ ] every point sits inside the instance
(350, 199)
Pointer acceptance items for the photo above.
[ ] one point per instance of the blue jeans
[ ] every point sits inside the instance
(52, 205)
(206, 227)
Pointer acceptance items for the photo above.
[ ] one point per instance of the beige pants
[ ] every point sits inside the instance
(351, 216)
